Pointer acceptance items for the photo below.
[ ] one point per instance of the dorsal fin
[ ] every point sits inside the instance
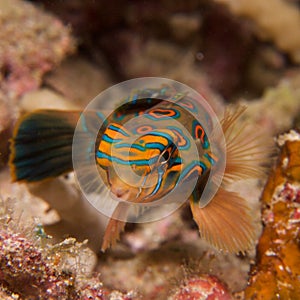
(246, 147)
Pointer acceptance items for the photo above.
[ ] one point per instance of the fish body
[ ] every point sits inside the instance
(157, 143)
(155, 148)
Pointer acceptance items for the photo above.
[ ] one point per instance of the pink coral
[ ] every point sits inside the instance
(32, 42)
(27, 272)
(204, 287)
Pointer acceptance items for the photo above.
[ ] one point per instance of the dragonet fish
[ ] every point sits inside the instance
(41, 148)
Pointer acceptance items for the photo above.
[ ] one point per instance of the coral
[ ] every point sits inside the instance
(276, 20)
(276, 272)
(5, 294)
(31, 272)
(26, 272)
(265, 69)
(32, 42)
(184, 26)
(278, 107)
(204, 287)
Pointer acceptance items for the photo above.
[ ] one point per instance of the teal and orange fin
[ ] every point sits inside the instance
(41, 146)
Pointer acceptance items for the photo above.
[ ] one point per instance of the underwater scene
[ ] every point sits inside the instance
(150, 149)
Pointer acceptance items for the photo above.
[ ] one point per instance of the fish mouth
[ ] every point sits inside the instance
(120, 195)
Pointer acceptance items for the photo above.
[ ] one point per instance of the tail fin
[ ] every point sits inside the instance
(41, 145)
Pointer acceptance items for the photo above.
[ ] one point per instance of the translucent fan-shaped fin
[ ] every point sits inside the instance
(225, 222)
(247, 147)
(114, 227)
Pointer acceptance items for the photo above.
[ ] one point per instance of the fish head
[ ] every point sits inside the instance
(139, 168)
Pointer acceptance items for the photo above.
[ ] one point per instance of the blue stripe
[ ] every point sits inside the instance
(175, 161)
(188, 144)
(129, 146)
(159, 146)
(117, 129)
(108, 139)
(162, 116)
(206, 143)
(165, 135)
(139, 162)
(210, 159)
(188, 168)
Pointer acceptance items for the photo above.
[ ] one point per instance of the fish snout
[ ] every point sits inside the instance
(119, 192)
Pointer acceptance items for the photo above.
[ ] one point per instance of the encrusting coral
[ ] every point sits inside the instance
(31, 272)
(276, 272)
(275, 20)
(279, 104)
(26, 272)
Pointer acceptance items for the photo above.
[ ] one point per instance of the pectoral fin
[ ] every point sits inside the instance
(225, 222)
(247, 147)
(114, 227)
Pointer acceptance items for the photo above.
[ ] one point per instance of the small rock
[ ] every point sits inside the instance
(203, 287)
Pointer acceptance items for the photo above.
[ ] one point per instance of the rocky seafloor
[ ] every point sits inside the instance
(61, 54)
